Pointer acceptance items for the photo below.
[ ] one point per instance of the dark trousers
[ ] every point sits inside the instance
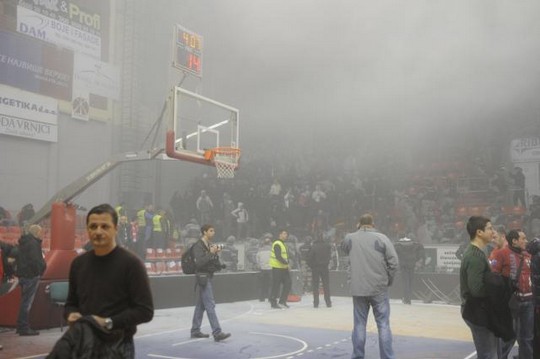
(519, 197)
(407, 274)
(523, 321)
(29, 287)
(265, 280)
(158, 239)
(320, 273)
(536, 341)
(140, 245)
(280, 278)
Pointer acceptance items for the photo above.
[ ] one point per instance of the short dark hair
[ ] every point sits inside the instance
(101, 209)
(366, 220)
(511, 235)
(205, 228)
(476, 223)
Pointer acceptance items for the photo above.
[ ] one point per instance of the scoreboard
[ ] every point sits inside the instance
(187, 51)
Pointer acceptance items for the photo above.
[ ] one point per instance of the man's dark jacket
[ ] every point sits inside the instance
(320, 254)
(30, 262)
(86, 339)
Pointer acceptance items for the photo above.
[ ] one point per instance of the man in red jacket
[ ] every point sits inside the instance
(515, 263)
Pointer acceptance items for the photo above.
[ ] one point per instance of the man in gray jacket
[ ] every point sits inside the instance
(373, 265)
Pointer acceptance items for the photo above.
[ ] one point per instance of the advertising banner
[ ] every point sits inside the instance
(24, 114)
(446, 257)
(44, 28)
(95, 77)
(525, 150)
(36, 67)
(89, 16)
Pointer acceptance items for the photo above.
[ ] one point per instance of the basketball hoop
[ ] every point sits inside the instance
(225, 159)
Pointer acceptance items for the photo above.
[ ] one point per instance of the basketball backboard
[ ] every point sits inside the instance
(197, 124)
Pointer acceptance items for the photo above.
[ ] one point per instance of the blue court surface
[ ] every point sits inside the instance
(421, 331)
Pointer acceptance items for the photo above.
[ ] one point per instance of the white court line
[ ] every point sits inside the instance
(180, 329)
(304, 345)
(34, 356)
(187, 341)
(165, 357)
(470, 356)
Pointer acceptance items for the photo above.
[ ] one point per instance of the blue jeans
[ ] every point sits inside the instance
(204, 300)
(381, 310)
(28, 292)
(524, 329)
(486, 343)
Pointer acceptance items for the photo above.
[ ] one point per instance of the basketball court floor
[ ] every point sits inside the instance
(421, 331)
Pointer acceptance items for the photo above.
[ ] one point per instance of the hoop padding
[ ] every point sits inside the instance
(226, 161)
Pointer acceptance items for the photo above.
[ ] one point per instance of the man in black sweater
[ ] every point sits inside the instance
(109, 283)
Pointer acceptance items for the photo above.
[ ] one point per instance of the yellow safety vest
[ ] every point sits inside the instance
(141, 221)
(119, 210)
(157, 223)
(274, 263)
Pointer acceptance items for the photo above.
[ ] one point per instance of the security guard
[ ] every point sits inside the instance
(158, 236)
(279, 261)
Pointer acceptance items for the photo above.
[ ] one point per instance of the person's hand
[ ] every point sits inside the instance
(99, 320)
(214, 249)
(73, 317)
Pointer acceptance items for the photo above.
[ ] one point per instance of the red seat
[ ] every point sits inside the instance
(515, 224)
(14, 229)
(460, 225)
(518, 210)
(160, 267)
(172, 267)
(150, 268)
(475, 211)
(461, 212)
(3, 229)
(508, 210)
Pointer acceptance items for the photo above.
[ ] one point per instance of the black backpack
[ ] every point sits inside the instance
(188, 261)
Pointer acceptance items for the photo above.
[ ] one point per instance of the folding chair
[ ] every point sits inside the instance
(58, 292)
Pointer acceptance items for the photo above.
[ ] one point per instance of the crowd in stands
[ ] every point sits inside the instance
(321, 194)
(317, 194)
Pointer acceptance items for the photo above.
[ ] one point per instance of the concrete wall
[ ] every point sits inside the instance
(32, 171)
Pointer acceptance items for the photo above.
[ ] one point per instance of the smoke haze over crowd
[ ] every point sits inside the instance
(360, 66)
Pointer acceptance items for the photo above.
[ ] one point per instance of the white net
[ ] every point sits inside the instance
(226, 162)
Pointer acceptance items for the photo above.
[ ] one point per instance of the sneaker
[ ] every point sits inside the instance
(221, 336)
(275, 306)
(199, 335)
(28, 332)
(328, 305)
(284, 305)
